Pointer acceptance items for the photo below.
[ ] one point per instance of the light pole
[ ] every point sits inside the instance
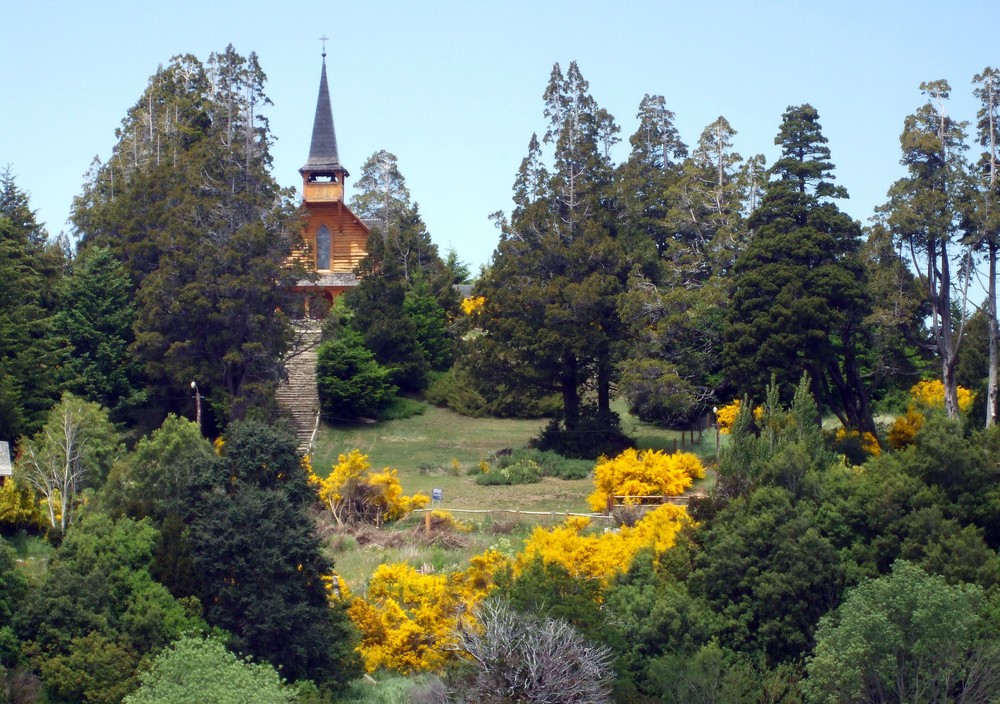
(715, 410)
(197, 405)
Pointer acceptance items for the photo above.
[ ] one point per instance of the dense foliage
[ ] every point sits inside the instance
(195, 669)
(187, 203)
(849, 564)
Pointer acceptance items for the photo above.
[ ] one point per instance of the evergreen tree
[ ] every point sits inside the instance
(382, 193)
(898, 348)
(95, 319)
(552, 288)
(458, 269)
(405, 288)
(653, 166)
(30, 270)
(924, 212)
(187, 202)
(377, 314)
(986, 218)
(259, 565)
(351, 384)
(431, 324)
(677, 317)
(797, 290)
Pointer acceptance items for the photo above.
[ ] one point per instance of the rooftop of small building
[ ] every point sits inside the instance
(5, 467)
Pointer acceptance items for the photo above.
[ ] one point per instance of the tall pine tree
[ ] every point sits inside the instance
(30, 271)
(925, 213)
(986, 218)
(552, 290)
(188, 203)
(797, 290)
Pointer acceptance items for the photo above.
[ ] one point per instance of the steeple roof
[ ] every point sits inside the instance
(323, 150)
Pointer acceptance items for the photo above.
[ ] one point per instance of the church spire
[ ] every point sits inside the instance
(323, 157)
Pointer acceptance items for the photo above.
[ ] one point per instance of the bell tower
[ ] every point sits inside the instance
(323, 175)
(334, 240)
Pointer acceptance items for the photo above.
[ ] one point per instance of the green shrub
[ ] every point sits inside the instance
(391, 689)
(447, 390)
(459, 390)
(522, 472)
(549, 463)
(401, 408)
(552, 464)
(350, 382)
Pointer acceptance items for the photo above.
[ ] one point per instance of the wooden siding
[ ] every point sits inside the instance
(322, 192)
(348, 235)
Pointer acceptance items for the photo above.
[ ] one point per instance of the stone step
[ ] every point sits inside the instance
(298, 395)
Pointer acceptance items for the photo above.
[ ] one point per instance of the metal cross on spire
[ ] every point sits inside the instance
(324, 39)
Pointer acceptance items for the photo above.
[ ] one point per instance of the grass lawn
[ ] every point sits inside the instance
(438, 449)
(428, 441)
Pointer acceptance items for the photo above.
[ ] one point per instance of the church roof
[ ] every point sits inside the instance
(323, 150)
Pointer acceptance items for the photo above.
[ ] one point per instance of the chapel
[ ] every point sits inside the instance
(334, 239)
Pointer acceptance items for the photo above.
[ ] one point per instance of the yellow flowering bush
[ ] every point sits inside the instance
(931, 395)
(602, 556)
(924, 394)
(905, 428)
(18, 507)
(446, 520)
(473, 304)
(353, 493)
(725, 417)
(636, 473)
(408, 619)
(867, 441)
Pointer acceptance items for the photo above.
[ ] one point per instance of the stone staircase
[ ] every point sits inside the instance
(298, 395)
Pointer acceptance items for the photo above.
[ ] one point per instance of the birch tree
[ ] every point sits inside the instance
(74, 449)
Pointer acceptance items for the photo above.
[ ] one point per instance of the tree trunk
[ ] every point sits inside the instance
(569, 380)
(604, 386)
(991, 397)
(851, 388)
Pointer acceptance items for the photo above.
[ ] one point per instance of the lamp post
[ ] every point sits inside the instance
(197, 404)
(715, 410)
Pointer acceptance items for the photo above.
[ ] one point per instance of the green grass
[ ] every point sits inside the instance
(439, 448)
(406, 544)
(33, 554)
(384, 688)
(423, 444)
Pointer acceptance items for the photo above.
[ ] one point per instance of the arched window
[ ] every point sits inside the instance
(323, 248)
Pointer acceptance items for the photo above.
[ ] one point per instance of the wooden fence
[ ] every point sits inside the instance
(554, 517)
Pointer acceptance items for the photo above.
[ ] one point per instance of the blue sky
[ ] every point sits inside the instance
(454, 88)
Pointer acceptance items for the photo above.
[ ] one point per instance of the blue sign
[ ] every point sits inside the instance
(437, 494)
